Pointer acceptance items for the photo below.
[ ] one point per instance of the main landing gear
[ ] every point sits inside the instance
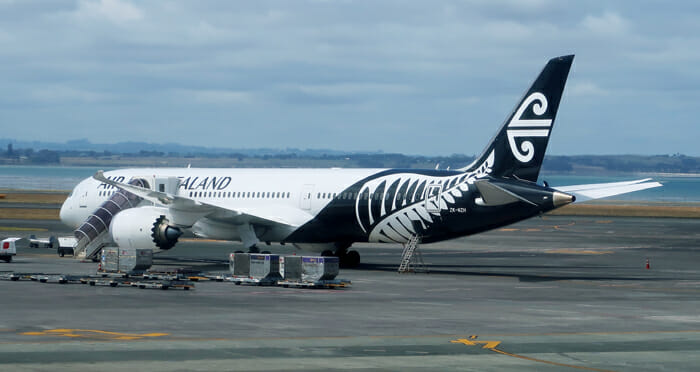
(253, 249)
(348, 259)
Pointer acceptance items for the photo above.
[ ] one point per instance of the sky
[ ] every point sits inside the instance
(413, 77)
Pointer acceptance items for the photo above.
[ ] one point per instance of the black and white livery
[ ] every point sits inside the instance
(327, 210)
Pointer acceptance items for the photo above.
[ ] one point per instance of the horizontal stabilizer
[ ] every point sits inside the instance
(492, 195)
(604, 190)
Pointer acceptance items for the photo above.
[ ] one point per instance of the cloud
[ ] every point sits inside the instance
(344, 89)
(290, 68)
(608, 23)
(586, 88)
(211, 96)
(115, 11)
(52, 94)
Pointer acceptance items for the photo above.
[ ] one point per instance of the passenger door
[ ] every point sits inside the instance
(305, 197)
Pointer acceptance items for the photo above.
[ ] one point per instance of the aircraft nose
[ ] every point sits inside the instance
(65, 214)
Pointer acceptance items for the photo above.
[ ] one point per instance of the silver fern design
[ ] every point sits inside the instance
(392, 208)
(535, 127)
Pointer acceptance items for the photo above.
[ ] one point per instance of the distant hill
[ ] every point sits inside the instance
(84, 145)
(85, 153)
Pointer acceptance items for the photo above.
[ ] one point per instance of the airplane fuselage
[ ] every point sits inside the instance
(325, 205)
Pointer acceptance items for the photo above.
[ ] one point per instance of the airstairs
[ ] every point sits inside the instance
(411, 258)
(93, 234)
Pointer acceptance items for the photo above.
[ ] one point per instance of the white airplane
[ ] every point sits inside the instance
(327, 210)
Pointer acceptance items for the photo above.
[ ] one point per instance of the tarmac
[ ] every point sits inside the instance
(553, 293)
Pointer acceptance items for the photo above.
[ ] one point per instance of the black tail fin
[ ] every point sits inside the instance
(518, 148)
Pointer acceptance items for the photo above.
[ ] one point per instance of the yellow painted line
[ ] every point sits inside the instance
(472, 342)
(492, 346)
(604, 221)
(6, 228)
(452, 336)
(559, 227)
(575, 251)
(508, 229)
(91, 333)
(548, 362)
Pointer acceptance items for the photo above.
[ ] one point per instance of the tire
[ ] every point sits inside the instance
(352, 259)
(61, 253)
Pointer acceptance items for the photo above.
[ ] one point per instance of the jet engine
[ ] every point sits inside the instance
(144, 227)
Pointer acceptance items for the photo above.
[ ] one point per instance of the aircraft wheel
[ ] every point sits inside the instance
(327, 253)
(351, 259)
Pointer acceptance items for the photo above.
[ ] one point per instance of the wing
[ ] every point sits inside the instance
(189, 210)
(604, 190)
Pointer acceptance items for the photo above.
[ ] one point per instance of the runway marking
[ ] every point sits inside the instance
(575, 251)
(204, 339)
(604, 221)
(93, 333)
(6, 228)
(508, 229)
(559, 227)
(491, 346)
(534, 287)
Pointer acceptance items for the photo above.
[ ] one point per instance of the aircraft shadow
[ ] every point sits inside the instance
(217, 265)
(523, 277)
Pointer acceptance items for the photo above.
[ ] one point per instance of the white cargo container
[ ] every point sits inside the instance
(319, 268)
(126, 260)
(239, 264)
(8, 248)
(265, 267)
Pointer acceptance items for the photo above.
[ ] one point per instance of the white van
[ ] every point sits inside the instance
(8, 248)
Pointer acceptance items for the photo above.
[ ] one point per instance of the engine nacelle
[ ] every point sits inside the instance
(144, 227)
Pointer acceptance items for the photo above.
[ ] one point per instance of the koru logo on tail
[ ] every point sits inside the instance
(533, 127)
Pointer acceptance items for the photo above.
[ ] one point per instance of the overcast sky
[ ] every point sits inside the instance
(414, 77)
